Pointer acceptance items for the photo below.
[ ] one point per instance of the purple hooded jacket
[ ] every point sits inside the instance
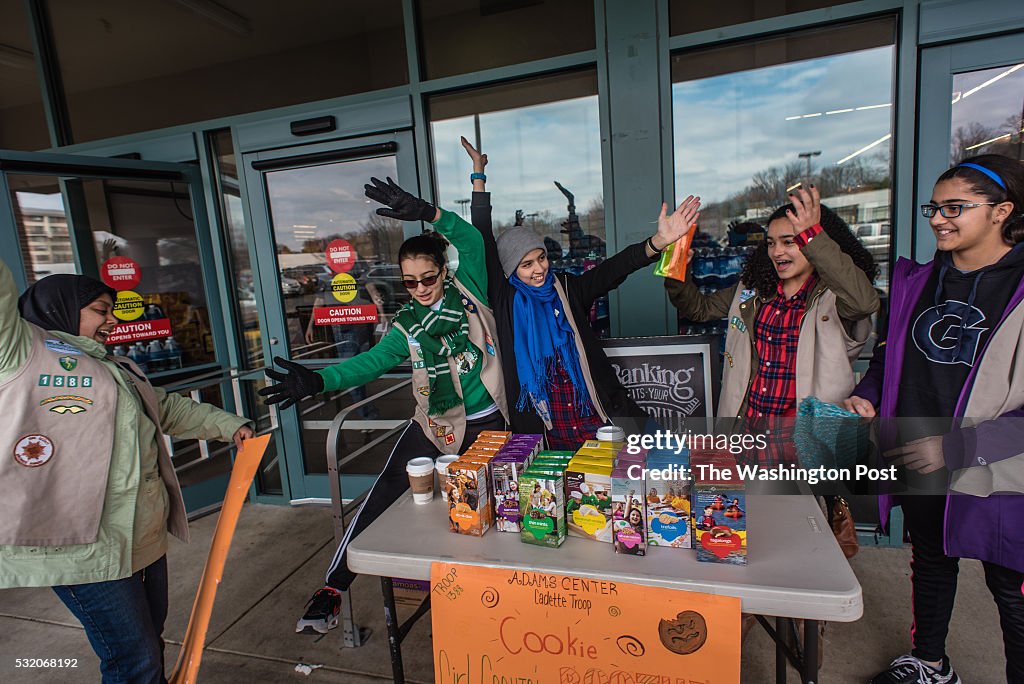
(987, 528)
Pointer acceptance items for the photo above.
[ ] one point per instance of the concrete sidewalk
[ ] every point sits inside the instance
(278, 559)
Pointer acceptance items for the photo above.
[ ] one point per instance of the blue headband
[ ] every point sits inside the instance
(991, 174)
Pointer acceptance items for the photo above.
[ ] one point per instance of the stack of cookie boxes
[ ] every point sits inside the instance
(511, 460)
(720, 511)
(588, 481)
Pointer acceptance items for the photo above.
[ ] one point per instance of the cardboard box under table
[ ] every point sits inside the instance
(798, 571)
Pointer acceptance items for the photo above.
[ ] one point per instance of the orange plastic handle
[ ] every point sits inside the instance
(186, 670)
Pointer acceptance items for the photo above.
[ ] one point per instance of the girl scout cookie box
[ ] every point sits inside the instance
(542, 501)
(469, 501)
(668, 504)
(720, 515)
(589, 499)
(506, 471)
(629, 528)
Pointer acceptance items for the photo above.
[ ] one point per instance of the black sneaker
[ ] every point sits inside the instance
(909, 670)
(321, 611)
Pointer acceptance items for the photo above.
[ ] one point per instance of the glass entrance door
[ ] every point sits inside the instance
(330, 283)
(971, 102)
(141, 227)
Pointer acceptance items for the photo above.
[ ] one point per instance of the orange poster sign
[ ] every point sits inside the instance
(495, 625)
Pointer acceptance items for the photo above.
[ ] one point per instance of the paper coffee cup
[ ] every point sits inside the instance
(611, 433)
(421, 479)
(441, 466)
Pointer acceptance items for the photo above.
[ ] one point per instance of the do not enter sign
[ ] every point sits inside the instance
(340, 256)
(343, 287)
(121, 273)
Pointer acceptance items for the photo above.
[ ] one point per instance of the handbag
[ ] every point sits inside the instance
(843, 527)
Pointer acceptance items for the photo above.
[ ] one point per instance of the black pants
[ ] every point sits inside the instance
(392, 483)
(933, 576)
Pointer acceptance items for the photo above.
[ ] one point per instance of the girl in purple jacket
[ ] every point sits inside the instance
(955, 325)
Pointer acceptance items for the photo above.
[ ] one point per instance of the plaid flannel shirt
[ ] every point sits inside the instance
(776, 335)
(569, 429)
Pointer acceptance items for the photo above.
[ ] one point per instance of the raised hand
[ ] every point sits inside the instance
(479, 160)
(808, 209)
(673, 226)
(401, 205)
(293, 386)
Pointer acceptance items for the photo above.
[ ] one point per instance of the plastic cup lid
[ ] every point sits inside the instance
(420, 466)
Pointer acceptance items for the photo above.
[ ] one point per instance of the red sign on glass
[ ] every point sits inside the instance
(341, 315)
(140, 330)
(121, 273)
(340, 256)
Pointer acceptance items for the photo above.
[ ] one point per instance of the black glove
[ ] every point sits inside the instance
(404, 206)
(294, 386)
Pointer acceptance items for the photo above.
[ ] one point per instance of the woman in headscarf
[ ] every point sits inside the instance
(90, 493)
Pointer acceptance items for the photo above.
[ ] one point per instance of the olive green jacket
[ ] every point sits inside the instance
(142, 497)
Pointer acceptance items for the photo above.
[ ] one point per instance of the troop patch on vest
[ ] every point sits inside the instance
(449, 439)
(68, 363)
(65, 397)
(68, 408)
(747, 294)
(47, 380)
(469, 306)
(489, 343)
(424, 390)
(419, 364)
(33, 451)
(738, 323)
(61, 347)
(440, 431)
(728, 358)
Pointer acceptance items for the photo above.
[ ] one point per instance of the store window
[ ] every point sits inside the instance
(988, 113)
(232, 219)
(144, 237)
(42, 225)
(688, 16)
(136, 66)
(543, 142)
(459, 37)
(22, 118)
(752, 121)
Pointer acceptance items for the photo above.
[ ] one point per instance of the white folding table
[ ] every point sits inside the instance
(795, 569)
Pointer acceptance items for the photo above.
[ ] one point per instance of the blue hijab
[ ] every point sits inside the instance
(542, 336)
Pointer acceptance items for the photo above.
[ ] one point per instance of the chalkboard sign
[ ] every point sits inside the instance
(673, 378)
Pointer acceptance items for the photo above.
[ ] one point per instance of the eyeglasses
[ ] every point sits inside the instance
(951, 210)
(412, 283)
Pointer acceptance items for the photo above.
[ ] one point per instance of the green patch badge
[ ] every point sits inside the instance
(738, 323)
(68, 363)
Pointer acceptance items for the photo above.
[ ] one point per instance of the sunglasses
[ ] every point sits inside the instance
(412, 283)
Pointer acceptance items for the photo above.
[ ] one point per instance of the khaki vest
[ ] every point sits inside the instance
(57, 440)
(1000, 385)
(824, 357)
(448, 430)
(54, 461)
(177, 517)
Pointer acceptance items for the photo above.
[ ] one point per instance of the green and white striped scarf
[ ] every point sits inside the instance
(442, 334)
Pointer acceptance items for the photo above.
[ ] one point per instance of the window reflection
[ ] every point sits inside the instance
(753, 121)
(320, 211)
(988, 113)
(543, 143)
(42, 226)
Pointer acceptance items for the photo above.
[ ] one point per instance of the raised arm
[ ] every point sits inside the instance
(480, 216)
(613, 271)
(15, 334)
(856, 297)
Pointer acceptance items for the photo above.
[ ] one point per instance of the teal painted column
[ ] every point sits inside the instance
(631, 72)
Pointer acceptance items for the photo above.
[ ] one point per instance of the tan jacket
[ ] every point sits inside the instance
(833, 331)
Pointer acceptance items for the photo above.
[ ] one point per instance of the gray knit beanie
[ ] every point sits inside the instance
(514, 244)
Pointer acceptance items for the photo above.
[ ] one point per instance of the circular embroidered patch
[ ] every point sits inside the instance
(33, 451)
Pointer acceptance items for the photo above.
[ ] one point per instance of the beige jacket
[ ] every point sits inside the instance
(834, 329)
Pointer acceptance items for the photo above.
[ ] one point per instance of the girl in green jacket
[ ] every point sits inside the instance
(90, 493)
